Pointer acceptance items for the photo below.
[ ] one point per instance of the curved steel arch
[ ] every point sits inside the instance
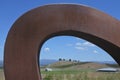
(31, 30)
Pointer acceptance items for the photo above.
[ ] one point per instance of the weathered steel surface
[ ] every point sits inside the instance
(36, 26)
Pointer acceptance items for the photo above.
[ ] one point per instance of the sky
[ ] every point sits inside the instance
(11, 10)
(70, 47)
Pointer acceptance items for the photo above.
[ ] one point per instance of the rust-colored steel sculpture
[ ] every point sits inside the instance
(32, 29)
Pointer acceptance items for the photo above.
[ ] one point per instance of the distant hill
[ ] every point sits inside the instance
(44, 62)
(1, 63)
(80, 65)
(56, 63)
(106, 62)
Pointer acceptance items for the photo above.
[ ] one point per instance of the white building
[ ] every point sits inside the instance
(48, 69)
(107, 70)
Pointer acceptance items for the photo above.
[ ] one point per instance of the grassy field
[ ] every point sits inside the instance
(75, 75)
(65, 70)
(79, 75)
(1, 75)
(75, 71)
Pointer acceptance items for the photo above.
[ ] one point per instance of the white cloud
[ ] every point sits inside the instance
(77, 38)
(79, 48)
(88, 44)
(95, 51)
(84, 45)
(78, 44)
(46, 49)
(81, 45)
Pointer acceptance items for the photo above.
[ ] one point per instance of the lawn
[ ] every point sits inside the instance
(79, 75)
(75, 75)
(1, 75)
(65, 70)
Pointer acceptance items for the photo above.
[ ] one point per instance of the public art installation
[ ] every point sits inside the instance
(31, 30)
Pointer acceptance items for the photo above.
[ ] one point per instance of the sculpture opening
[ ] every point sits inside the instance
(68, 58)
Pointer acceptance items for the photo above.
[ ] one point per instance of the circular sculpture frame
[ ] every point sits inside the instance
(31, 30)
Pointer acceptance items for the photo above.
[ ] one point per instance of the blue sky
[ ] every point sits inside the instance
(11, 10)
(69, 47)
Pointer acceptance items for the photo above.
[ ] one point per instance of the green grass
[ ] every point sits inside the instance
(79, 75)
(84, 74)
(1, 74)
(65, 70)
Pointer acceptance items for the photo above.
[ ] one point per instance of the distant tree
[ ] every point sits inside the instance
(63, 59)
(70, 60)
(60, 59)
